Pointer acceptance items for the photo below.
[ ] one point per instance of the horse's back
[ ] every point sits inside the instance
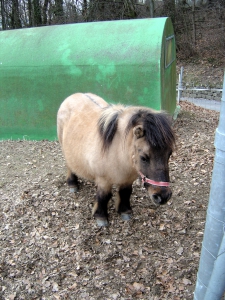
(79, 104)
(97, 100)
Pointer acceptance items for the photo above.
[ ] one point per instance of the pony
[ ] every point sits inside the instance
(113, 145)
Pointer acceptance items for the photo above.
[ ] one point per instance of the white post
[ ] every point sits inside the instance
(216, 285)
(212, 260)
(180, 85)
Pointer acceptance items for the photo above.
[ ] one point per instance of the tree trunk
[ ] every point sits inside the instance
(45, 7)
(30, 13)
(85, 10)
(3, 15)
(15, 18)
(150, 7)
(37, 13)
(169, 9)
(58, 11)
(193, 21)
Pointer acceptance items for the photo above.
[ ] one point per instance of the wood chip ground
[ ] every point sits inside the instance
(51, 248)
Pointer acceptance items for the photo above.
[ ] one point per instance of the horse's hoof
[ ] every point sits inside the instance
(102, 222)
(125, 217)
(73, 190)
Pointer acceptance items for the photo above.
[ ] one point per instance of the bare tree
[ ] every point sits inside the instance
(169, 9)
(15, 17)
(151, 8)
(58, 12)
(3, 15)
(44, 12)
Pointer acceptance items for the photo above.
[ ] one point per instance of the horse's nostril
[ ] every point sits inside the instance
(161, 198)
(157, 198)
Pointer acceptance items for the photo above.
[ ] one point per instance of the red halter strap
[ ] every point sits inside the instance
(157, 183)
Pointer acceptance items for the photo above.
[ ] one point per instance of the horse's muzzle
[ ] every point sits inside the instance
(160, 196)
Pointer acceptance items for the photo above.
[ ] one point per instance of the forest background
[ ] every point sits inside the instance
(199, 25)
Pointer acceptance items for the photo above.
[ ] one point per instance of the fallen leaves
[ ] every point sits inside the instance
(51, 247)
(180, 251)
(186, 281)
(55, 287)
(73, 286)
(135, 289)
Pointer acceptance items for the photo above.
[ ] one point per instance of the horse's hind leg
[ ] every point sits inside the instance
(123, 202)
(100, 209)
(72, 181)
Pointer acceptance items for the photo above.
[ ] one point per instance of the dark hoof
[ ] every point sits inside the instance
(126, 217)
(102, 222)
(74, 189)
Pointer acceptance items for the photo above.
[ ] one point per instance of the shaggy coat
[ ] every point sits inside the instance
(110, 145)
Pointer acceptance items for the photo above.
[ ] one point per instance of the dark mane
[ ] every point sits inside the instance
(156, 126)
(108, 124)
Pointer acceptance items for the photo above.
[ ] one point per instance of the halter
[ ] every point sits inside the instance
(152, 182)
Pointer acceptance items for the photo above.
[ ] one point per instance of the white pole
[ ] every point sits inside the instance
(212, 254)
(216, 285)
(180, 86)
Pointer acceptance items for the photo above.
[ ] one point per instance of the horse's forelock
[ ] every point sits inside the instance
(156, 126)
(136, 119)
(158, 130)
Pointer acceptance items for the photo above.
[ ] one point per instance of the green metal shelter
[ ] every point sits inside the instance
(128, 61)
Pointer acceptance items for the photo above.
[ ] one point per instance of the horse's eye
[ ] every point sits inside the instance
(145, 158)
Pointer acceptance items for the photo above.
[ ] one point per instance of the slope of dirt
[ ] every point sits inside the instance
(201, 73)
(51, 247)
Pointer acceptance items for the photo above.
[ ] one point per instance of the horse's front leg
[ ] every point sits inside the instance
(123, 202)
(100, 209)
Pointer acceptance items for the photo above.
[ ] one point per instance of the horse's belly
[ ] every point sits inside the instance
(88, 161)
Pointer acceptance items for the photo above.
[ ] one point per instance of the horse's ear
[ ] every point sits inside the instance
(138, 131)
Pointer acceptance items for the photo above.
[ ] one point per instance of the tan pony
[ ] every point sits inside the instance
(113, 145)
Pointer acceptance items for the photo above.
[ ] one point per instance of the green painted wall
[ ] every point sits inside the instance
(121, 61)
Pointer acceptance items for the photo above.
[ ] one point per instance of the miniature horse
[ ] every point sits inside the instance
(113, 145)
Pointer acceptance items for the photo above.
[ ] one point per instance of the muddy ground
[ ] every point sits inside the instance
(51, 248)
